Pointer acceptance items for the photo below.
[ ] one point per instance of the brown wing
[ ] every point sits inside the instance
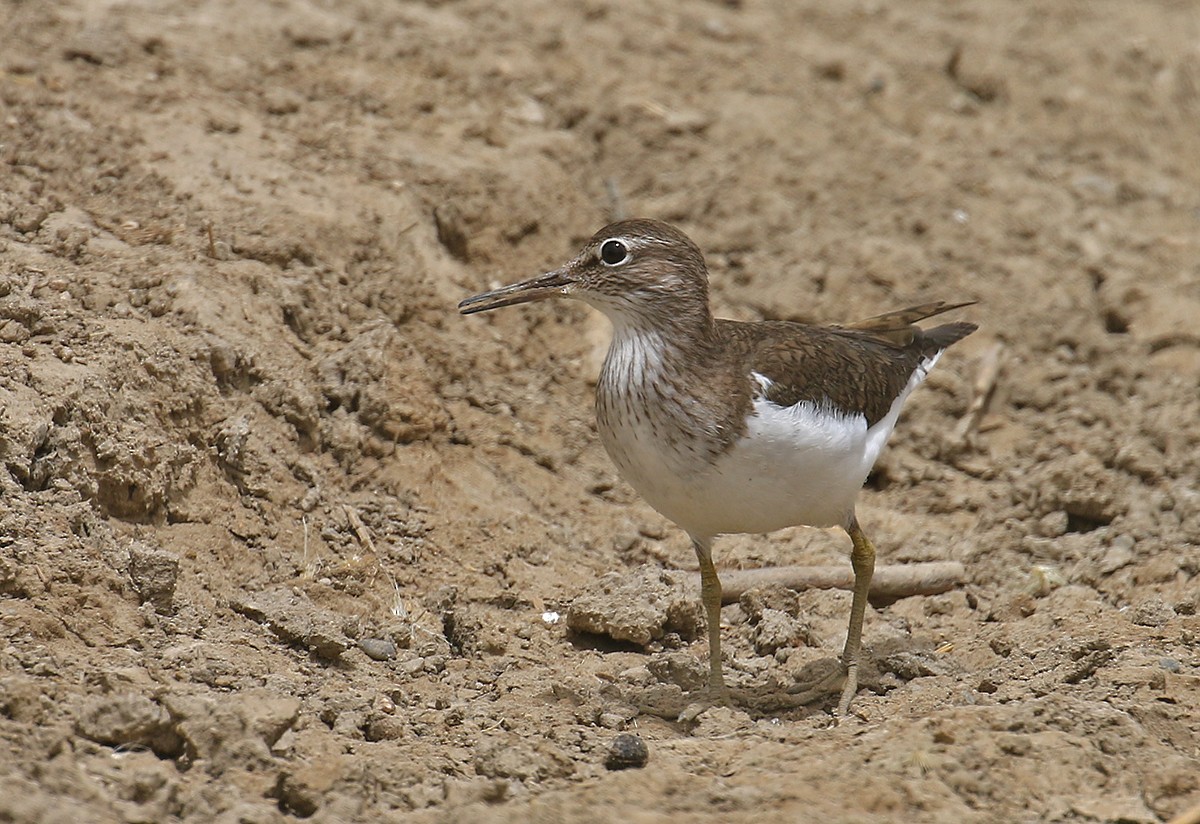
(900, 327)
(859, 367)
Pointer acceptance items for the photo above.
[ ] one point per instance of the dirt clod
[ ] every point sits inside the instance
(637, 608)
(129, 719)
(295, 620)
(154, 572)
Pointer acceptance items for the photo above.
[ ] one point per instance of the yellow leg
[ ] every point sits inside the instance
(862, 558)
(710, 594)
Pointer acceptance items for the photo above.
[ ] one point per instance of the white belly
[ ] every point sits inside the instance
(798, 465)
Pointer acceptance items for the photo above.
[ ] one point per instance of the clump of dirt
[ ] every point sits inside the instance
(282, 536)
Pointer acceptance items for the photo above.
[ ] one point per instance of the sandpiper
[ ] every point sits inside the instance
(731, 427)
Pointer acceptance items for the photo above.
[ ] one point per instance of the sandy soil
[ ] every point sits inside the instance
(278, 528)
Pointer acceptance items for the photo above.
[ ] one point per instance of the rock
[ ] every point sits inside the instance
(680, 668)
(129, 719)
(720, 722)
(100, 45)
(777, 630)
(1118, 555)
(154, 571)
(512, 757)
(627, 752)
(1153, 612)
(451, 231)
(302, 789)
(638, 608)
(979, 72)
(775, 596)
(295, 620)
(910, 665)
(378, 649)
(460, 792)
(236, 729)
(312, 28)
(27, 418)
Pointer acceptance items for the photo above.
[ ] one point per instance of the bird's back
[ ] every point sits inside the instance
(860, 367)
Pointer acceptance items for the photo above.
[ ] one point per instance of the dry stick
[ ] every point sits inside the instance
(981, 394)
(1191, 816)
(890, 582)
(359, 528)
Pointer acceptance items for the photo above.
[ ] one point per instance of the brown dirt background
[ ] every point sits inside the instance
(242, 427)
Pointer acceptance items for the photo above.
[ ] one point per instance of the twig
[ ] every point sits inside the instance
(359, 528)
(1191, 816)
(889, 583)
(981, 394)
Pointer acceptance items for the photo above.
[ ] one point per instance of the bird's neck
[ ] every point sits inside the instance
(654, 353)
(654, 385)
(680, 319)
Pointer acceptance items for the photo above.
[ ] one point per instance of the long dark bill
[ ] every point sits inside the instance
(549, 285)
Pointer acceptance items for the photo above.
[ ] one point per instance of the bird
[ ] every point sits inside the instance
(729, 427)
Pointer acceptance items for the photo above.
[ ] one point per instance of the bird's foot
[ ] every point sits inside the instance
(715, 693)
(820, 679)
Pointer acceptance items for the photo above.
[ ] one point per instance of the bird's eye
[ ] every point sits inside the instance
(613, 252)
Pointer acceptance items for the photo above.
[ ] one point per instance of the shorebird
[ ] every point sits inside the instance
(738, 427)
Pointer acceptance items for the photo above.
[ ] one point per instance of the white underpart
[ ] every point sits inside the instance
(797, 465)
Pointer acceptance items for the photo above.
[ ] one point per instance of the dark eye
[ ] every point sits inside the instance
(613, 252)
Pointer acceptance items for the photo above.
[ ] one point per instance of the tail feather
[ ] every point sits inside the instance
(900, 329)
(939, 337)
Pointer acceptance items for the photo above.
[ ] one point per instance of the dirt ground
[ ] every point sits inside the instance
(282, 536)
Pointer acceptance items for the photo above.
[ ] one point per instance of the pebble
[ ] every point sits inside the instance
(154, 572)
(627, 752)
(1153, 612)
(378, 649)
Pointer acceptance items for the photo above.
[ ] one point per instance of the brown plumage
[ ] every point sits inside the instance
(860, 366)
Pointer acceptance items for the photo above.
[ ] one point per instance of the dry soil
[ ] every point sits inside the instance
(282, 536)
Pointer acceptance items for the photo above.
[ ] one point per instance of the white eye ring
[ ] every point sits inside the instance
(613, 252)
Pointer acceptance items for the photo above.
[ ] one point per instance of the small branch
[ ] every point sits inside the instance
(981, 394)
(888, 584)
(1191, 816)
(361, 533)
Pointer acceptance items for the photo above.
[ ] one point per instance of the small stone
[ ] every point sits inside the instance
(774, 596)
(636, 676)
(302, 790)
(776, 630)
(679, 668)
(154, 572)
(627, 752)
(125, 719)
(1052, 524)
(294, 619)
(280, 101)
(910, 665)
(1118, 555)
(1153, 612)
(611, 720)
(315, 29)
(378, 649)
(511, 757)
